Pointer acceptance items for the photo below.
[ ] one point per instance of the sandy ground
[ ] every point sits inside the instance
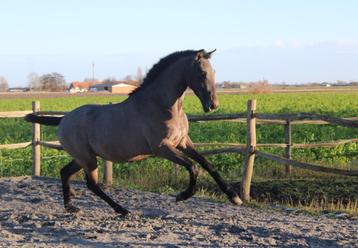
(31, 215)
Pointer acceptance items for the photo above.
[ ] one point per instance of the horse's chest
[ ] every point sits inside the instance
(176, 132)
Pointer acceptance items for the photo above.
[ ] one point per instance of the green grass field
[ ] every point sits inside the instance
(144, 174)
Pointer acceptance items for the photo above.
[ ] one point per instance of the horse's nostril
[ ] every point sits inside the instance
(214, 105)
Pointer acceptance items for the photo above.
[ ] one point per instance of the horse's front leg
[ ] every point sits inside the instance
(188, 149)
(171, 153)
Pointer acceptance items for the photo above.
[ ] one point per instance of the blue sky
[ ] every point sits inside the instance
(281, 41)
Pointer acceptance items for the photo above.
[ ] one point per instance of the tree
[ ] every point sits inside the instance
(3, 84)
(109, 80)
(139, 75)
(128, 78)
(94, 80)
(52, 82)
(34, 81)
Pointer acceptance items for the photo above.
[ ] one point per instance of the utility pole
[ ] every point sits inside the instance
(92, 72)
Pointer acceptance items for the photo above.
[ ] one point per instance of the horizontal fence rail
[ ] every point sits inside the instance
(302, 116)
(51, 144)
(249, 149)
(15, 146)
(294, 118)
(332, 143)
(14, 114)
(307, 166)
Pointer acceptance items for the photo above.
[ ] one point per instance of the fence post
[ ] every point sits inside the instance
(36, 148)
(108, 172)
(250, 150)
(288, 142)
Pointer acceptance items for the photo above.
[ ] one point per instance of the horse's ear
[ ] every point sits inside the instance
(209, 53)
(203, 54)
(200, 54)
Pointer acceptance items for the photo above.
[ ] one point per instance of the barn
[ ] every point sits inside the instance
(76, 87)
(115, 87)
(122, 88)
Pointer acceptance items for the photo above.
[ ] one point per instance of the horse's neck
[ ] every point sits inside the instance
(168, 91)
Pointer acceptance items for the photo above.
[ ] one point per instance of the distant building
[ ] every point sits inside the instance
(240, 85)
(18, 89)
(76, 87)
(100, 87)
(121, 87)
(326, 84)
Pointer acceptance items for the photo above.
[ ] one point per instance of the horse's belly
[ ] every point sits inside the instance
(122, 152)
(137, 158)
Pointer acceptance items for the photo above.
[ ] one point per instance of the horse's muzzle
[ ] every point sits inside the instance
(211, 105)
(215, 104)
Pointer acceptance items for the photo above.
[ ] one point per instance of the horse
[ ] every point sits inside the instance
(150, 122)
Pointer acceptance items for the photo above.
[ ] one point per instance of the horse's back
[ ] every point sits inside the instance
(118, 135)
(112, 132)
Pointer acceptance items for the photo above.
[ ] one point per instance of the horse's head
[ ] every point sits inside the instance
(202, 80)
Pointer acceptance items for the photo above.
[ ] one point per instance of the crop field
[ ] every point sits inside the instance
(144, 174)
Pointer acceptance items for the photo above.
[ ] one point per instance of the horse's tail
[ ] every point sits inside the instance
(45, 120)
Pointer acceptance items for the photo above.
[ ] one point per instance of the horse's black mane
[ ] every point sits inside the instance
(160, 66)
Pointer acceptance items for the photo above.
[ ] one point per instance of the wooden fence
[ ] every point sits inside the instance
(250, 149)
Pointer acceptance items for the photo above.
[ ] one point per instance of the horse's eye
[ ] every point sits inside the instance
(203, 74)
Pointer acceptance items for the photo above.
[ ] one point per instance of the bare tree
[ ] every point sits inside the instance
(34, 81)
(139, 75)
(109, 80)
(3, 84)
(128, 78)
(260, 87)
(52, 82)
(95, 80)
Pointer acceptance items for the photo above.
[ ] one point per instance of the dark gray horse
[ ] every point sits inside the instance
(151, 121)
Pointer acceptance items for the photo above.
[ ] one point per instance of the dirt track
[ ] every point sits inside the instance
(31, 215)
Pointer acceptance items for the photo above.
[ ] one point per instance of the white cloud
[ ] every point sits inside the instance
(347, 42)
(280, 43)
(296, 44)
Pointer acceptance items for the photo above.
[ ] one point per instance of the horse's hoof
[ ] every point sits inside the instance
(181, 197)
(72, 209)
(236, 200)
(122, 211)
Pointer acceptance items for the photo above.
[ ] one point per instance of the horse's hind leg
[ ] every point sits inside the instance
(66, 173)
(172, 154)
(92, 184)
